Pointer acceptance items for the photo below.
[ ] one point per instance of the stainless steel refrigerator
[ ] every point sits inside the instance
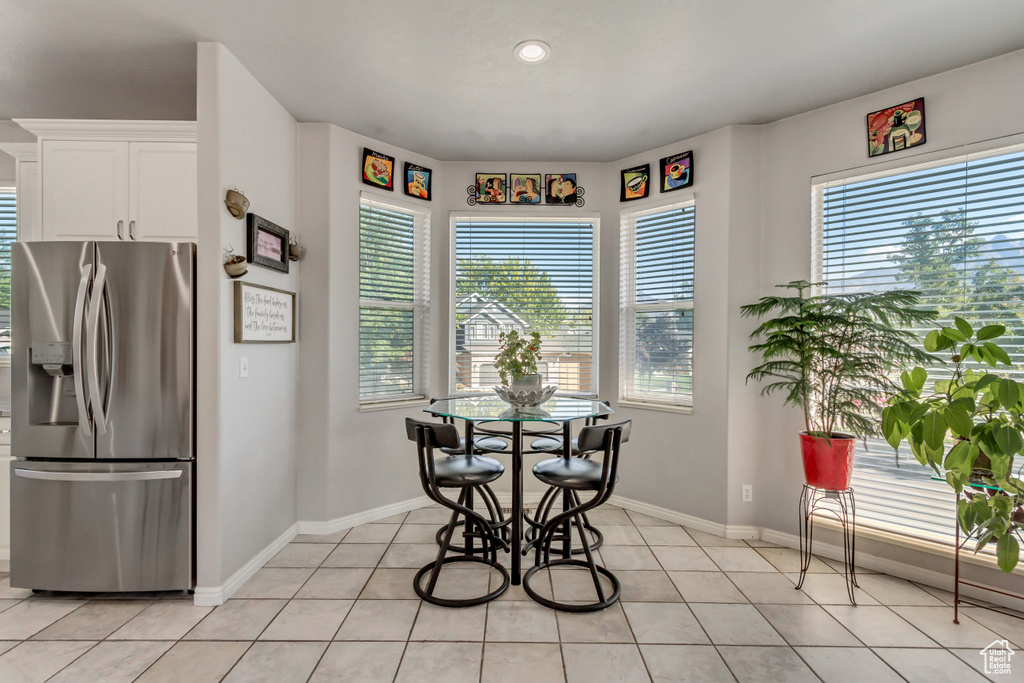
(103, 419)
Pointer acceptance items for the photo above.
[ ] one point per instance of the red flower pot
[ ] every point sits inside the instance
(828, 464)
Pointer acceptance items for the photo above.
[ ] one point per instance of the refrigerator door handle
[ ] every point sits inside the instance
(98, 476)
(84, 419)
(92, 366)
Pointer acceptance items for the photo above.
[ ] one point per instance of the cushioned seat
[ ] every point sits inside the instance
(484, 443)
(569, 473)
(458, 470)
(551, 443)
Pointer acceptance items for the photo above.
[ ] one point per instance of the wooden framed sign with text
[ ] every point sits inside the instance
(263, 314)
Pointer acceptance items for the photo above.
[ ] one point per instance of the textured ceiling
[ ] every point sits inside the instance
(438, 76)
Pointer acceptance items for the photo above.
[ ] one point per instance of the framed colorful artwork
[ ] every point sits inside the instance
(525, 188)
(896, 128)
(491, 188)
(417, 181)
(378, 170)
(560, 188)
(635, 183)
(676, 171)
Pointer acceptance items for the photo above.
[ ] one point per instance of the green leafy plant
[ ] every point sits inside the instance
(833, 355)
(983, 415)
(517, 356)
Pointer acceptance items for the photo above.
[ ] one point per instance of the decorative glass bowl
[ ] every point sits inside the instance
(525, 399)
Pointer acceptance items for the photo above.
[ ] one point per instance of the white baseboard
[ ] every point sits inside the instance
(216, 595)
(697, 523)
(349, 521)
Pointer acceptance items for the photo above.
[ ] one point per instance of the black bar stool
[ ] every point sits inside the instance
(462, 472)
(553, 444)
(481, 444)
(579, 474)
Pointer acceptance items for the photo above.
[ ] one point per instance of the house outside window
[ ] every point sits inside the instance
(954, 230)
(525, 274)
(394, 286)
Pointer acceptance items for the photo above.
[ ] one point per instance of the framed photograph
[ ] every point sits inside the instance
(491, 188)
(635, 183)
(896, 128)
(266, 244)
(263, 314)
(560, 188)
(676, 171)
(417, 181)
(525, 188)
(378, 170)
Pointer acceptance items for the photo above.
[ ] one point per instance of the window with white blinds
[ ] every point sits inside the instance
(8, 234)
(394, 286)
(953, 230)
(529, 275)
(656, 305)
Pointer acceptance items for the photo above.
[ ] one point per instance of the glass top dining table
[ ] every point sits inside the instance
(556, 411)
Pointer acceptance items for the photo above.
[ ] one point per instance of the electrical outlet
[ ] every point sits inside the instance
(243, 367)
(748, 493)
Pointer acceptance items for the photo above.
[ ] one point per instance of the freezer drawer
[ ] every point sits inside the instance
(101, 526)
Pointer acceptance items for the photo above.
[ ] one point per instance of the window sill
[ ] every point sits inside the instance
(663, 407)
(390, 405)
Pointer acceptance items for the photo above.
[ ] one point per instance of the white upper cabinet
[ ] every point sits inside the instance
(117, 180)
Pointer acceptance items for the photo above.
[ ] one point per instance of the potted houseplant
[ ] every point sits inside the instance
(982, 415)
(516, 361)
(832, 357)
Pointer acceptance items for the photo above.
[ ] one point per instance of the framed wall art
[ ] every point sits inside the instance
(560, 188)
(417, 181)
(266, 243)
(525, 188)
(676, 171)
(635, 183)
(263, 314)
(491, 188)
(378, 170)
(896, 128)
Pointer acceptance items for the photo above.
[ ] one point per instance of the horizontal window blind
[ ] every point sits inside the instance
(393, 287)
(656, 305)
(953, 230)
(526, 275)
(8, 234)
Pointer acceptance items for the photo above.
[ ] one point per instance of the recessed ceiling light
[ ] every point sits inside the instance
(532, 51)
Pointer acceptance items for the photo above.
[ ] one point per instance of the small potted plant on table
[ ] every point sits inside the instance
(832, 356)
(516, 363)
(982, 415)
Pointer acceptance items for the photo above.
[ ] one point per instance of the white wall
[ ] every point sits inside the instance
(973, 104)
(246, 460)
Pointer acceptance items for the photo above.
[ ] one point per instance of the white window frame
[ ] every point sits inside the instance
(628, 308)
(420, 304)
(887, 530)
(591, 217)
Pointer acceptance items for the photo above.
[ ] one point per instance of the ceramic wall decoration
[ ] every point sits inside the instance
(896, 128)
(417, 181)
(676, 171)
(636, 183)
(378, 170)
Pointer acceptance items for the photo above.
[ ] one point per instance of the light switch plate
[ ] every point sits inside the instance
(243, 367)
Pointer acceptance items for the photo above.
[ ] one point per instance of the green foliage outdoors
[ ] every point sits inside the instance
(517, 356)
(984, 415)
(833, 355)
(525, 289)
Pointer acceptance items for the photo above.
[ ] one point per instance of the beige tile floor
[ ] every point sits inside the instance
(694, 607)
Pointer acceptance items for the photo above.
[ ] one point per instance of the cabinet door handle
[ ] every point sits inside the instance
(120, 226)
(131, 229)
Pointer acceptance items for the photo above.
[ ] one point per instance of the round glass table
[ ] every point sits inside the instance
(556, 411)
